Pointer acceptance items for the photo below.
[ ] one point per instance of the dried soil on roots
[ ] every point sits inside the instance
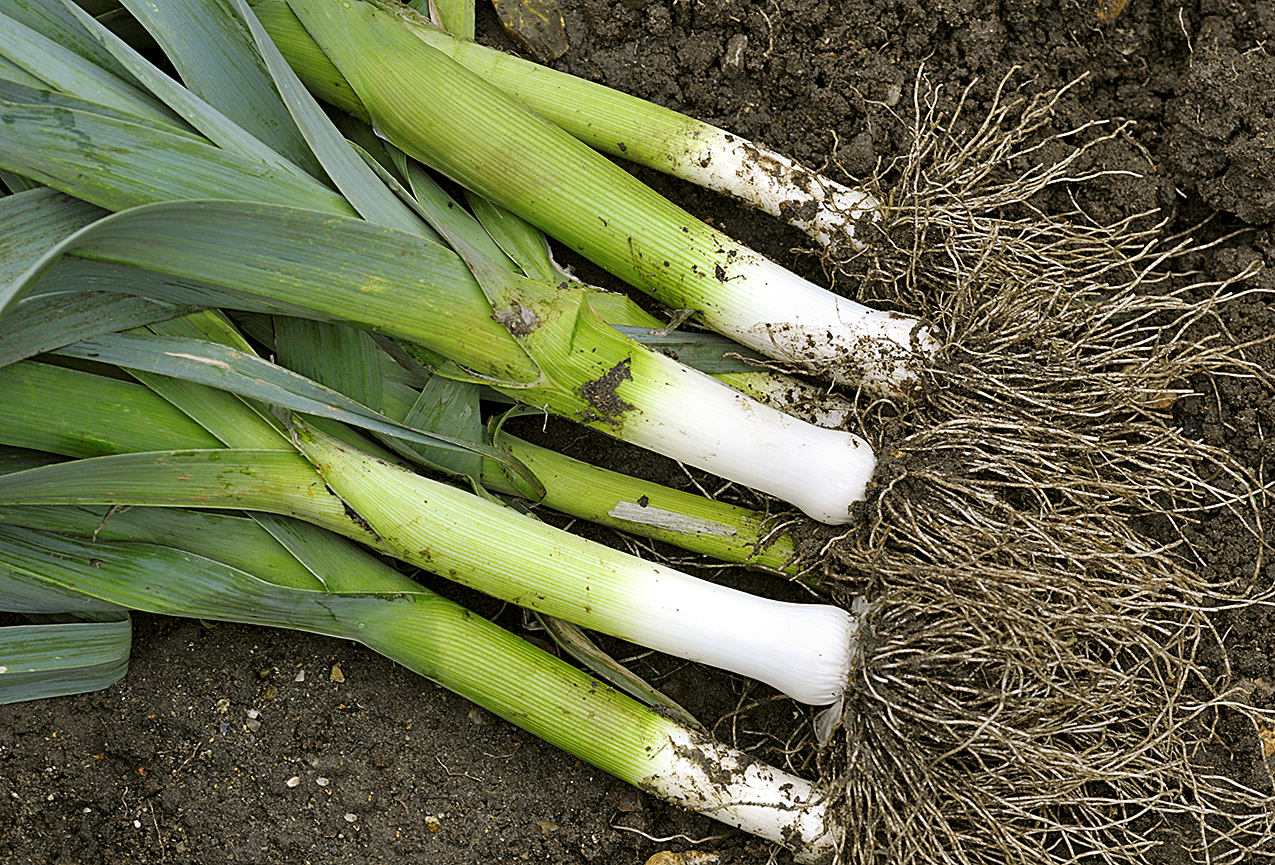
(160, 769)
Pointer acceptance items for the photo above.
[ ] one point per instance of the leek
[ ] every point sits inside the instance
(148, 562)
(619, 125)
(440, 113)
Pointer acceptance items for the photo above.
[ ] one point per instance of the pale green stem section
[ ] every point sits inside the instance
(457, 16)
(66, 411)
(692, 522)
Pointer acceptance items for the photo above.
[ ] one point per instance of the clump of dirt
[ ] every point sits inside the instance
(1222, 122)
(171, 765)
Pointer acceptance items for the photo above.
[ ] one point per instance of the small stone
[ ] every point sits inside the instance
(432, 823)
(690, 857)
(350, 818)
(629, 800)
(733, 56)
(294, 781)
(546, 827)
(322, 782)
(300, 676)
(336, 675)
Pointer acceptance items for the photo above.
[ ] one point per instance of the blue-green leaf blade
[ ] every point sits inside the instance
(286, 149)
(357, 182)
(55, 660)
(53, 19)
(67, 71)
(50, 321)
(117, 164)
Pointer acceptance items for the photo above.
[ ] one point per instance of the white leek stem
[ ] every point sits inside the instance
(777, 313)
(771, 182)
(696, 419)
(821, 471)
(562, 705)
(732, 787)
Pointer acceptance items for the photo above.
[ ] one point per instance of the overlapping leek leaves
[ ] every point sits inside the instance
(141, 204)
(219, 197)
(67, 559)
(205, 216)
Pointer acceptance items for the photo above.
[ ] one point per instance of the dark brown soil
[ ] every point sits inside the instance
(168, 766)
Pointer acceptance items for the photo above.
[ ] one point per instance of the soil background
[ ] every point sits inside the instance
(169, 766)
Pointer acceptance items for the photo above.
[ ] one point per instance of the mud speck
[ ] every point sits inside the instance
(605, 405)
(518, 319)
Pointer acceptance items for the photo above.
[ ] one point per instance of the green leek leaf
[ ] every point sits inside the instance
(58, 21)
(334, 355)
(66, 411)
(67, 71)
(38, 93)
(449, 408)
(357, 182)
(707, 352)
(117, 164)
(49, 321)
(295, 261)
(32, 221)
(249, 376)
(218, 61)
(277, 482)
(57, 659)
(520, 240)
(221, 129)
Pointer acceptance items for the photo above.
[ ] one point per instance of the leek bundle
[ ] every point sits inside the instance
(237, 569)
(171, 248)
(463, 312)
(1019, 693)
